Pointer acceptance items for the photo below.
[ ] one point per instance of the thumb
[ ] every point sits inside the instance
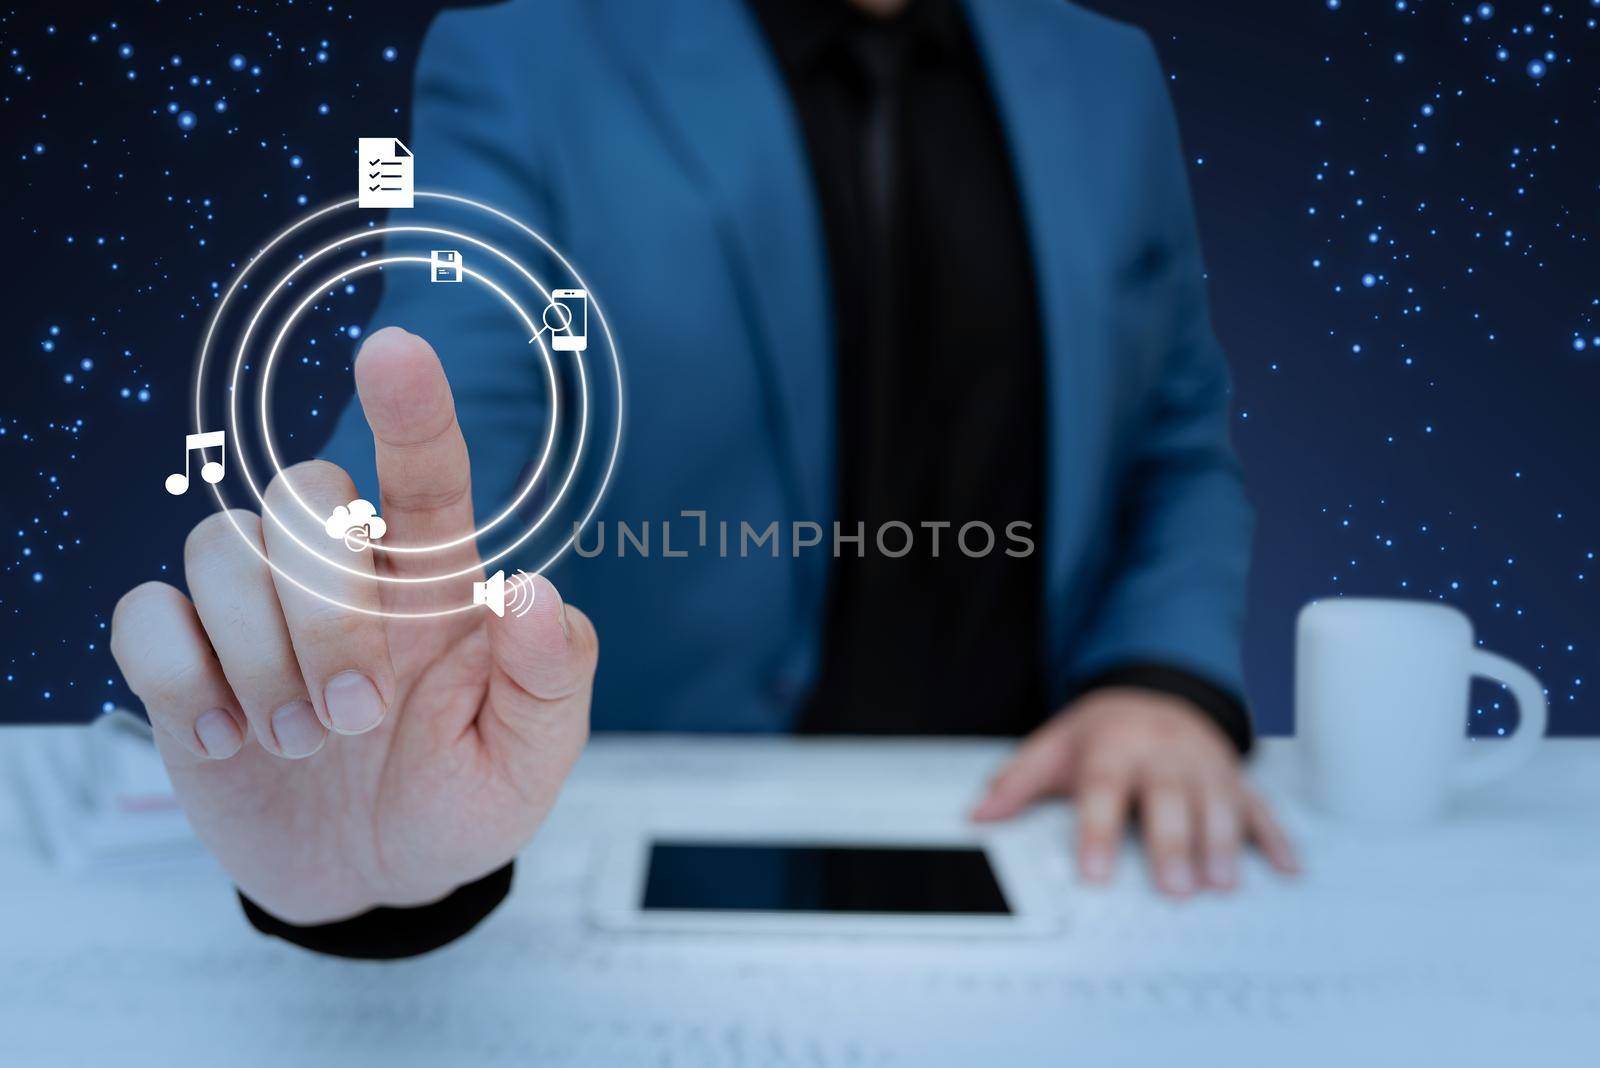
(1037, 770)
(544, 661)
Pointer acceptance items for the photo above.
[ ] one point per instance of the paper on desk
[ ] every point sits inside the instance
(101, 795)
(1471, 941)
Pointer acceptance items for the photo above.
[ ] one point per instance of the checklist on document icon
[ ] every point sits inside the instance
(385, 178)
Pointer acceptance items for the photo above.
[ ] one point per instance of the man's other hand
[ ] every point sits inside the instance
(1121, 750)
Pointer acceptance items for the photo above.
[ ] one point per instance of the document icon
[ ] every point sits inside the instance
(384, 175)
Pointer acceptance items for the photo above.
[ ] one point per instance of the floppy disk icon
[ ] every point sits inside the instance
(445, 265)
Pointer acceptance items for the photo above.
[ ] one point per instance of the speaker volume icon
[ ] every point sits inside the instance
(492, 593)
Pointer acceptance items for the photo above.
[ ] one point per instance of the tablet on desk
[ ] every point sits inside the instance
(671, 881)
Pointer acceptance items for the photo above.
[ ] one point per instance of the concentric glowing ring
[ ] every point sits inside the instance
(266, 371)
(615, 443)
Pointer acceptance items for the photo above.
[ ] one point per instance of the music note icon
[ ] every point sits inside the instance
(211, 470)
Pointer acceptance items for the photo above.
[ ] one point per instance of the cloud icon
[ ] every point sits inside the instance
(357, 515)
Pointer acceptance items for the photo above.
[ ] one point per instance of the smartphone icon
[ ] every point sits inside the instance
(568, 319)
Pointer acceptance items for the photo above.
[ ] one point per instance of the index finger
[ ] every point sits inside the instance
(423, 471)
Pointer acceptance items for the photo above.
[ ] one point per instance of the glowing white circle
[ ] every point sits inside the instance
(616, 365)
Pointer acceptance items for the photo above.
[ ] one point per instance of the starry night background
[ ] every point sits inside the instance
(1398, 200)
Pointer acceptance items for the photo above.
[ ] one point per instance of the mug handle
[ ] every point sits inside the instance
(1486, 763)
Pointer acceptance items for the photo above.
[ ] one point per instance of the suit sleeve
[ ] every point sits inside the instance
(1176, 589)
(386, 933)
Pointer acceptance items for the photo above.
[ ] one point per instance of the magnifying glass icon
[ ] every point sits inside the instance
(562, 312)
(569, 327)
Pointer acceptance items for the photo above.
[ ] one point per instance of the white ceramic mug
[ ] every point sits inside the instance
(1381, 692)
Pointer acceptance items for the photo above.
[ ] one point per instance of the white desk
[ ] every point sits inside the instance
(1475, 943)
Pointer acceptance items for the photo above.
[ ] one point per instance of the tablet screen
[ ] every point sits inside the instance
(773, 877)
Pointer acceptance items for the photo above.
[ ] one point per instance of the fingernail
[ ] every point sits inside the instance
(218, 733)
(1178, 876)
(1220, 871)
(353, 702)
(297, 730)
(1097, 865)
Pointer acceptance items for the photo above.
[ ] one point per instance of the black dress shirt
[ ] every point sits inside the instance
(941, 414)
(939, 365)
(939, 360)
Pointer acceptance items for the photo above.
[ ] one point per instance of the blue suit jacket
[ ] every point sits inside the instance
(654, 142)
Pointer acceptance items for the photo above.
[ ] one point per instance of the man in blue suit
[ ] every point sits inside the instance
(874, 262)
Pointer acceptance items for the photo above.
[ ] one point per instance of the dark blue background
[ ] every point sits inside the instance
(1430, 434)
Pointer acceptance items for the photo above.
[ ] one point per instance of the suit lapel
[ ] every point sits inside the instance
(703, 72)
(1041, 91)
